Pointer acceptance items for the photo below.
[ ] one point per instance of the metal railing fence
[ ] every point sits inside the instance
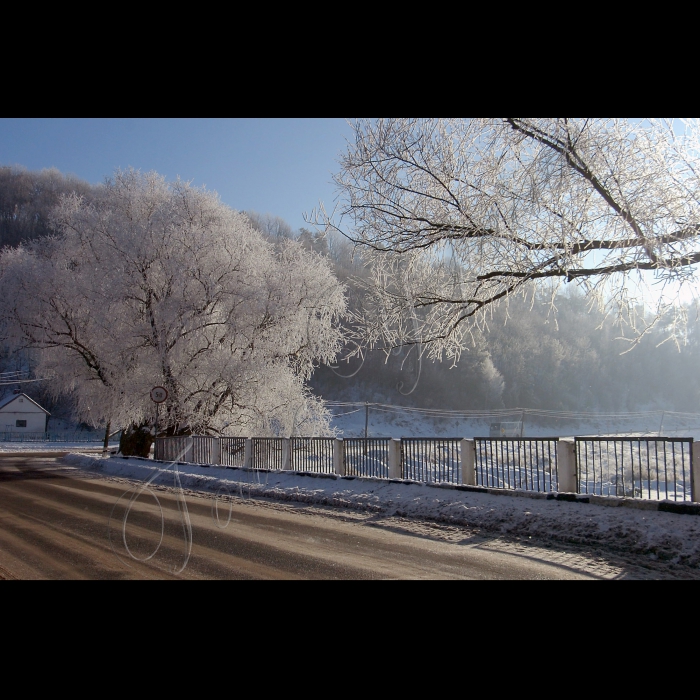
(637, 467)
(203, 448)
(266, 453)
(232, 453)
(312, 454)
(171, 449)
(516, 463)
(431, 460)
(366, 457)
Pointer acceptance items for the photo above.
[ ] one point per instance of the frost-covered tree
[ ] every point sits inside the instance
(159, 283)
(455, 215)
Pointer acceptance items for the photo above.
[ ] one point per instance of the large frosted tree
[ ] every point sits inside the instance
(159, 283)
(456, 215)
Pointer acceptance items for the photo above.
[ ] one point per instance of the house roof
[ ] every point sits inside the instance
(9, 399)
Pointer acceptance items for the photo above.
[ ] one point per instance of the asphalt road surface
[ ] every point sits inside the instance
(58, 522)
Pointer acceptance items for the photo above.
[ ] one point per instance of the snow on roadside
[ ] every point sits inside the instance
(670, 537)
(49, 446)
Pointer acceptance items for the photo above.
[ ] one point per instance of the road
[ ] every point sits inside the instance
(57, 522)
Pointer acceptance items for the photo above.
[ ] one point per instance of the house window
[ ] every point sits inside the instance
(21, 424)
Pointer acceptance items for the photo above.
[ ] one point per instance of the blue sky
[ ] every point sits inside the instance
(277, 166)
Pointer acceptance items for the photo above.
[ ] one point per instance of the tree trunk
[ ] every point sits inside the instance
(136, 441)
(105, 447)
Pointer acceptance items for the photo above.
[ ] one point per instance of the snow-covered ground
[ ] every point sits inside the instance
(395, 422)
(51, 446)
(624, 526)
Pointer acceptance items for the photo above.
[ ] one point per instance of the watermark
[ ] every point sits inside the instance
(138, 527)
(137, 539)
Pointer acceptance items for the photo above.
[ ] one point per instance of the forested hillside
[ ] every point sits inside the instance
(527, 356)
(26, 200)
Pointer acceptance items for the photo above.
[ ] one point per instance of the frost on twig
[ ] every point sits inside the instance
(454, 216)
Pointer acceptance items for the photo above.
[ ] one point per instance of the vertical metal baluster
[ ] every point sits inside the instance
(496, 465)
(675, 477)
(683, 469)
(506, 444)
(504, 476)
(414, 466)
(460, 471)
(489, 473)
(648, 470)
(482, 460)
(521, 446)
(623, 459)
(487, 461)
(656, 468)
(634, 478)
(479, 463)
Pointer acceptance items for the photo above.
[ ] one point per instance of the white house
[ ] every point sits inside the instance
(21, 414)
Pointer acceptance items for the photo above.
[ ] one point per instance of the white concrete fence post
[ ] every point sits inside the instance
(339, 457)
(286, 453)
(566, 465)
(394, 459)
(248, 453)
(216, 451)
(189, 450)
(695, 466)
(468, 462)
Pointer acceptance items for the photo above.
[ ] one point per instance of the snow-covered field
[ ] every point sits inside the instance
(395, 422)
(624, 526)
